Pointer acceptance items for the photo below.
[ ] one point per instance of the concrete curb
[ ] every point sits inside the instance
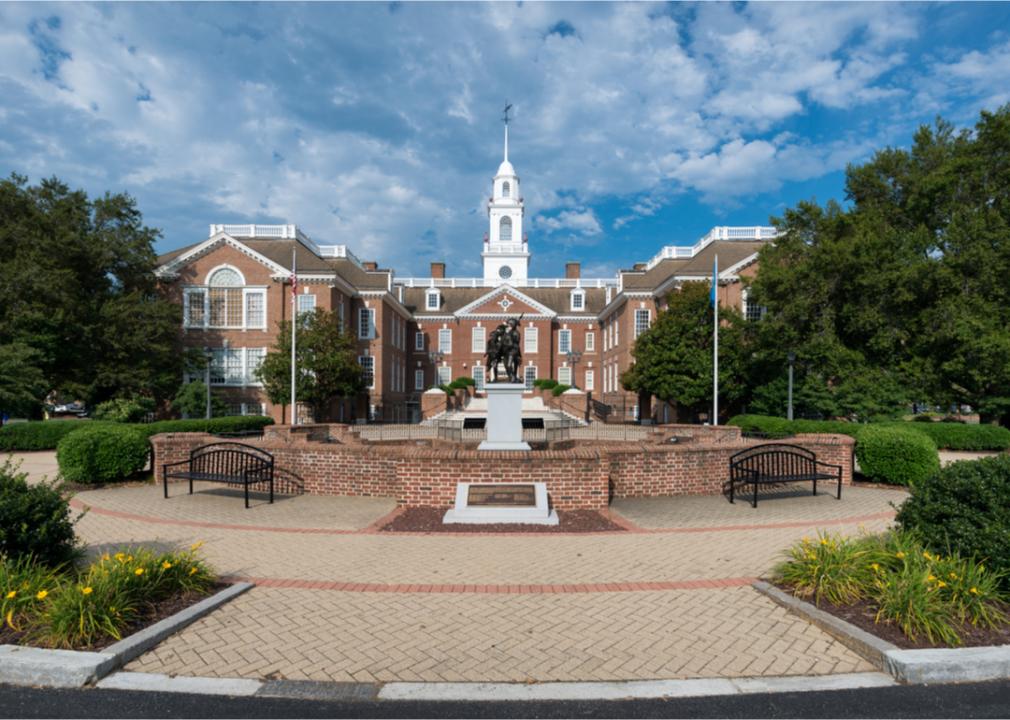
(21, 665)
(934, 665)
(483, 692)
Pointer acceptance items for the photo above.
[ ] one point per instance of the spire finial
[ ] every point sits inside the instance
(505, 119)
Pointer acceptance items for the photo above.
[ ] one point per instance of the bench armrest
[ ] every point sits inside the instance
(830, 465)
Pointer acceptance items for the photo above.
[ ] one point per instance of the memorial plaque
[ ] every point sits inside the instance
(502, 495)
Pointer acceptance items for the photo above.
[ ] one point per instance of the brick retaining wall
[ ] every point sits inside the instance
(584, 476)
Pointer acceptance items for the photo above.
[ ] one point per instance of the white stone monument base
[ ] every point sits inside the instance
(463, 512)
(504, 417)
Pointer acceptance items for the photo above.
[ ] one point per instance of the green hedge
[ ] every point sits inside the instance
(102, 453)
(965, 508)
(46, 434)
(948, 436)
(896, 455)
(560, 388)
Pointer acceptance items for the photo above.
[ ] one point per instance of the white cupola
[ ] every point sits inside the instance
(506, 256)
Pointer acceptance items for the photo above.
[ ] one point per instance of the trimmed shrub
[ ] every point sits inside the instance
(960, 436)
(559, 388)
(124, 410)
(38, 434)
(547, 383)
(237, 423)
(765, 425)
(965, 508)
(896, 455)
(102, 454)
(35, 520)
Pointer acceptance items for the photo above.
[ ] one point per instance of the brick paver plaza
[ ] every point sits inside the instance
(338, 600)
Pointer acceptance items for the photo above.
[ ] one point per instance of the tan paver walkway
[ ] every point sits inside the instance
(340, 601)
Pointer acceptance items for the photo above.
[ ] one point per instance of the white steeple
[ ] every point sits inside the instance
(505, 255)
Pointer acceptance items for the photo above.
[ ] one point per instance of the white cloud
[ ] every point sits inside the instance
(582, 222)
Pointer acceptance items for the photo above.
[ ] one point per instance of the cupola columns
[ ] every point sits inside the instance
(506, 254)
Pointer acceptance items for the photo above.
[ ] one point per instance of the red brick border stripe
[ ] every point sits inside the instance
(496, 589)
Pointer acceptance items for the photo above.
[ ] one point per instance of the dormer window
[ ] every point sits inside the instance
(432, 300)
(506, 189)
(578, 300)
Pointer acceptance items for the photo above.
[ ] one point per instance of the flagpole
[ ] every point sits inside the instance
(715, 344)
(294, 323)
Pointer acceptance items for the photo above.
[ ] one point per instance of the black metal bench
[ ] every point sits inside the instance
(231, 463)
(776, 463)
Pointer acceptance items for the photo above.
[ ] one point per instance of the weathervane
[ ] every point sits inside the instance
(508, 106)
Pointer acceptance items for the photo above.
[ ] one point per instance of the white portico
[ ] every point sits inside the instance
(506, 255)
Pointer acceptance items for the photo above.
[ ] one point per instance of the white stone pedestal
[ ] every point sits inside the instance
(504, 417)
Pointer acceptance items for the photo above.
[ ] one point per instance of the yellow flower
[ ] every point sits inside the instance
(811, 556)
(931, 578)
(105, 557)
(192, 571)
(900, 555)
(974, 590)
(166, 565)
(952, 576)
(824, 541)
(86, 590)
(120, 557)
(10, 618)
(11, 594)
(41, 594)
(941, 583)
(875, 566)
(138, 571)
(927, 555)
(197, 545)
(129, 558)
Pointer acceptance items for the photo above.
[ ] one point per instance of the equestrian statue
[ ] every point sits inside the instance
(503, 346)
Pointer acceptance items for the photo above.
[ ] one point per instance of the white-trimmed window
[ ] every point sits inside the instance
(478, 378)
(506, 189)
(578, 300)
(477, 340)
(590, 383)
(529, 375)
(642, 318)
(255, 309)
(432, 300)
(419, 379)
(445, 340)
(531, 340)
(306, 305)
(505, 230)
(752, 312)
(565, 375)
(217, 366)
(225, 298)
(564, 341)
(195, 304)
(590, 341)
(366, 323)
(367, 363)
(419, 340)
(253, 359)
(444, 374)
(617, 332)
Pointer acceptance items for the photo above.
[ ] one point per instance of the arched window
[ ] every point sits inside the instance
(506, 189)
(225, 298)
(505, 230)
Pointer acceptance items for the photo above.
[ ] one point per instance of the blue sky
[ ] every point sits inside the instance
(377, 125)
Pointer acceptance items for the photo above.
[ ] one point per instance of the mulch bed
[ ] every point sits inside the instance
(164, 609)
(862, 614)
(429, 520)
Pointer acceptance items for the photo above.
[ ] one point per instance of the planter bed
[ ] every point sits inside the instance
(862, 614)
(429, 520)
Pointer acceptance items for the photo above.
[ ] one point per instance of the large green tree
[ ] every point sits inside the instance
(326, 360)
(674, 357)
(77, 288)
(902, 296)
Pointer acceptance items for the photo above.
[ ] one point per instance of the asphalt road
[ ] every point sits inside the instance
(981, 700)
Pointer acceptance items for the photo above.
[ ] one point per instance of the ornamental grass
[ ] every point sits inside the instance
(925, 594)
(97, 604)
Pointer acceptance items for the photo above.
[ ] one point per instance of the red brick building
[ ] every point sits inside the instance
(414, 333)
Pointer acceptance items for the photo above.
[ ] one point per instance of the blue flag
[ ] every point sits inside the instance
(713, 300)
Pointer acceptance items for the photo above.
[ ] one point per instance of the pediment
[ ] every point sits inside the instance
(173, 266)
(505, 301)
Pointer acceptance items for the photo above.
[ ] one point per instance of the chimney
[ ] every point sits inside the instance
(438, 269)
(639, 266)
(573, 271)
(370, 265)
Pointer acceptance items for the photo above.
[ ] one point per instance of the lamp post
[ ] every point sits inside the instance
(210, 358)
(789, 408)
(435, 357)
(573, 357)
